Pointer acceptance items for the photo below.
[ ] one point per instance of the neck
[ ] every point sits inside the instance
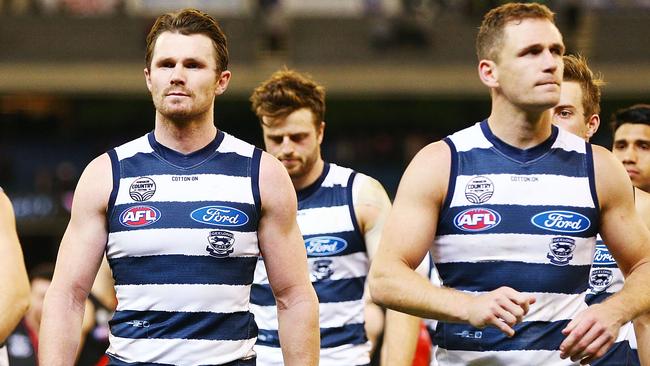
(519, 128)
(306, 180)
(184, 137)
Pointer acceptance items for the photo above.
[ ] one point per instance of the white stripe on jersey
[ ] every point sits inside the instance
(332, 314)
(208, 187)
(501, 358)
(170, 242)
(505, 247)
(233, 144)
(333, 219)
(189, 352)
(139, 145)
(569, 144)
(470, 138)
(544, 188)
(337, 176)
(185, 298)
(355, 265)
(335, 356)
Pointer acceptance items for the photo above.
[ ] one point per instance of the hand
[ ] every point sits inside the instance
(503, 308)
(590, 334)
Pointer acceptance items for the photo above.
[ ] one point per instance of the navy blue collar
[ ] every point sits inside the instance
(310, 189)
(186, 160)
(517, 154)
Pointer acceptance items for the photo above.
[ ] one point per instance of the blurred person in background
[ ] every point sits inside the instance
(578, 112)
(631, 128)
(509, 209)
(341, 214)
(183, 213)
(14, 285)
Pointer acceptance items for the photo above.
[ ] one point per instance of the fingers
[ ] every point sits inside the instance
(586, 340)
(503, 326)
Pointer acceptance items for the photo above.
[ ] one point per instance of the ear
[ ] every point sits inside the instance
(147, 78)
(222, 82)
(320, 132)
(592, 125)
(488, 73)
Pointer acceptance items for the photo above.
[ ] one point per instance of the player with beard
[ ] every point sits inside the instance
(340, 213)
(182, 214)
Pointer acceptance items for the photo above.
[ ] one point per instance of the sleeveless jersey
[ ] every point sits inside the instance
(182, 247)
(338, 265)
(605, 279)
(526, 219)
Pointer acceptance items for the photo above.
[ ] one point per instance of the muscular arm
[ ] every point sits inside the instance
(371, 208)
(593, 331)
(14, 285)
(78, 260)
(642, 323)
(285, 259)
(408, 235)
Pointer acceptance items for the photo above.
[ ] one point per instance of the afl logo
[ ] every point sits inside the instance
(219, 216)
(138, 216)
(602, 257)
(561, 221)
(142, 189)
(477, 219)
(321, 246)
(600, 279)
(479, 190)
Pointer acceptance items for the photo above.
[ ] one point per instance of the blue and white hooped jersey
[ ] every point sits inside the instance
(183, 247)
(526, 219)
(605, 279)
(338, 266)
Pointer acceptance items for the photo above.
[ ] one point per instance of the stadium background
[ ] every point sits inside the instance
(399, 74)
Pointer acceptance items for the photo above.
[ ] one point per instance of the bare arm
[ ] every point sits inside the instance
(593, 331)
(407, 237)
(642, 323)
(78, 260)
(14, 285)
(402, 332)
(285, 259)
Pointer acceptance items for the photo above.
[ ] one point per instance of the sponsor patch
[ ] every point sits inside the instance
(321, 246)
(479, 190)
(220, 243)
(477, 219)
(602, 257)
(142, 189)
(138, 216)
(321, 269)
(561, 221)
(600, 279)
(219, 216)
(561, 250)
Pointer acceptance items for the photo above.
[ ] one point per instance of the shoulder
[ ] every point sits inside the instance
(275, 184)
(6, 209)
(96, 183)
(613, 185)
(642, 203)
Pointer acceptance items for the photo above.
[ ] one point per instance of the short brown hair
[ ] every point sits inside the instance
(287, 91)
(490, 34)
(576, 69)
(187, 22)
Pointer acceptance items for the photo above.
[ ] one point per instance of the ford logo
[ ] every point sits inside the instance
(477, 219)
(602, 256)
(561, 221)
(219, 216)
(321, 246)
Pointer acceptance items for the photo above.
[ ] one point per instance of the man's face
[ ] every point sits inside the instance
(529, 67)
(632, 148)
(183, 78)
(569, 113)
(294, 140)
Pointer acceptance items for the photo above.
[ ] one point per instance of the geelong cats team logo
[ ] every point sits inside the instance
(142, 189)
(561, 250)
(600, 279)
(322, 269)
(479, 190)
(220, 243)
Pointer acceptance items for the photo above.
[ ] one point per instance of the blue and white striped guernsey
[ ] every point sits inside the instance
(338, 265)
(183, 247)
(526, 219)
(605, 279)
